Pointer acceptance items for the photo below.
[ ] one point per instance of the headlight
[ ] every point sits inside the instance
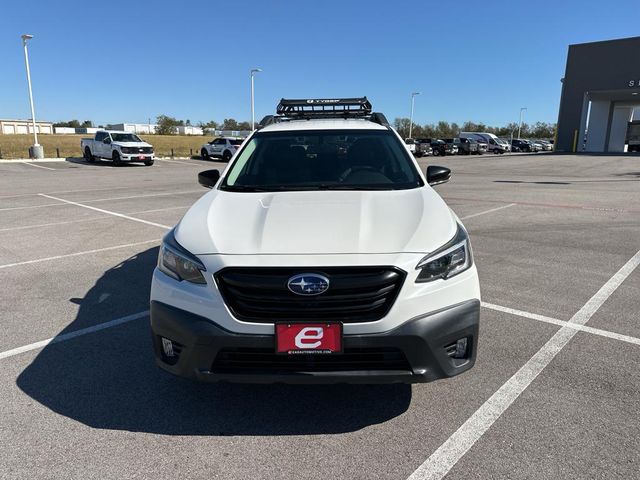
(451, 259)
(127, 149)
(178, 263)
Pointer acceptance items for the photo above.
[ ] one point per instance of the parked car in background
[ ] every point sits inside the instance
(411, 144)
(423, 148)
(118, 146)
(483, 147)
(480, 149)
(537, 147)
(506, 142)
(522, 145)
(440, 147)
(465, 146)
(223, 147)
(494, 144)
(546, 145)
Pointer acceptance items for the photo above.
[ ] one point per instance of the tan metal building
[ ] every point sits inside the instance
(12, 127)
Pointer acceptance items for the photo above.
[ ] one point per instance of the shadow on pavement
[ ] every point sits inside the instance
(108, 379)
(101, 163)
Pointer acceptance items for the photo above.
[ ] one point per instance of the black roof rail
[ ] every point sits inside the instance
(306, 109)
(378, 117)
(267, 120)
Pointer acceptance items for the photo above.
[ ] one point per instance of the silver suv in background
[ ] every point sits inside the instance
(223, 147)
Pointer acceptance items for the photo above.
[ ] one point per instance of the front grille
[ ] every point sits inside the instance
(256, 361)
(355, 294)
(136, 150)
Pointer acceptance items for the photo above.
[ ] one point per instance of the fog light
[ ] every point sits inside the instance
(167, 347)
(461, 348)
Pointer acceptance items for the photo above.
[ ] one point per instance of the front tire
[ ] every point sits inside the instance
(204, 154)
(148, 163)
(115, 157)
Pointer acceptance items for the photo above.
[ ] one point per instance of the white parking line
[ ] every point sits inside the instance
(488, 211)
(181, 161)
(562, 323)
(108, 212)
(166, 194)
(68, 336)
(458, 444)
(33, 206)
(184, 192)
(68, 255)
(37, 166)
(64, 191)
(51, 224)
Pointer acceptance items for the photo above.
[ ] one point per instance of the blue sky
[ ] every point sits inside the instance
(127, 61)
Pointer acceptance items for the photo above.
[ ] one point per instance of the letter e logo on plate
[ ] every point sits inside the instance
(305, 338)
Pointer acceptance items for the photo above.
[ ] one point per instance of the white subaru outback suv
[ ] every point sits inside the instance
(321, 255)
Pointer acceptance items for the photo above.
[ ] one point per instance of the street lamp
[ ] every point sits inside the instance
(520, 124)
(253, 116)
(36, 151)
(413, 96)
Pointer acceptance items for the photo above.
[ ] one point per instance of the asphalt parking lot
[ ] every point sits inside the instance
(555, 392)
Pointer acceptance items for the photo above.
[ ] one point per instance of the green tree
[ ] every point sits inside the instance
(87, 124)
(166, 125)
(230, 124)
(211, 124)
(402, 126)
(70, 124)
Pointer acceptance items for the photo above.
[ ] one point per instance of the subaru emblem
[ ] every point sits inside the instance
(308, 284)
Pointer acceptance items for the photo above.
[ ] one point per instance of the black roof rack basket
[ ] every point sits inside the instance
(306, 109)
(324, 107)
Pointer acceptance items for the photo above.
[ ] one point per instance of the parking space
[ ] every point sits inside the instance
(555, 239)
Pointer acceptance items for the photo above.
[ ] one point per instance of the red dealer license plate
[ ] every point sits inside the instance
(308, 338)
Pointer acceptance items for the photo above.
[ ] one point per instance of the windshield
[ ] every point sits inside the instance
(323, 160)
(125, 137)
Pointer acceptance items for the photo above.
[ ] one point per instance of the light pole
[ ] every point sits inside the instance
(413, 96)
(36, 151)
(253, 116)
(520, 124)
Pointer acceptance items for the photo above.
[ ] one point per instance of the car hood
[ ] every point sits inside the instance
(317, 222)
(132, 144)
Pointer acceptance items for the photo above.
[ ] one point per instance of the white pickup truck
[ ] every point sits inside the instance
(119, 147)
(223, 147)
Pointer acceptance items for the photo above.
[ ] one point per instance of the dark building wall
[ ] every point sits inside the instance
(608, 65)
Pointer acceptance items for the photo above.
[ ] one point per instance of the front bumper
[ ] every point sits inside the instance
(421, 342)
(137, 157)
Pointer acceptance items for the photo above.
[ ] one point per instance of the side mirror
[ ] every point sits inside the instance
(437, 175)
(107, 140)
(209, 178)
